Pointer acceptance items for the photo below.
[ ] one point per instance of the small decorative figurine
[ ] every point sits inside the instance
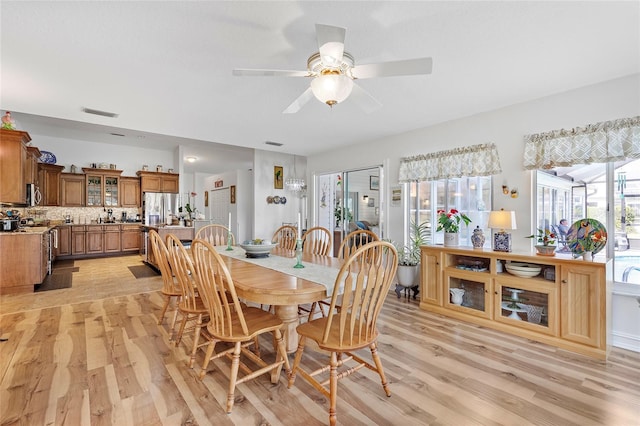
(7, 122)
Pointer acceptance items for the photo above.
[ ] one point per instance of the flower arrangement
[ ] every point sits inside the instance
(590, 242)
(450, 221)
(545, 237)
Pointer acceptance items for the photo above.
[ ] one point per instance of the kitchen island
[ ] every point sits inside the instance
(25, 258)
(183, 233)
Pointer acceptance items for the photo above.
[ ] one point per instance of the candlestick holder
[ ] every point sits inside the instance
(229, 239)
(298, 254)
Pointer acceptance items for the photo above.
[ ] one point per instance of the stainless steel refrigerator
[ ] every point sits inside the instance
(158, 208)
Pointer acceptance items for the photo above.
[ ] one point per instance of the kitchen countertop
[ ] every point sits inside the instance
(29, 230)
(42, 229)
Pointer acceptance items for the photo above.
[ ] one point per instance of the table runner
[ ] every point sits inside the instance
(319, 274)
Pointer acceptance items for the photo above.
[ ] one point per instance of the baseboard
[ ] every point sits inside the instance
(626, 341)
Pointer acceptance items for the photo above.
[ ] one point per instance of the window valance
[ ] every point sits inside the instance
(596, 143)
(475, 160)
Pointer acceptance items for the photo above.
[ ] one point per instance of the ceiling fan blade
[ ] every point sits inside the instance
(330, 44)
(393, 68)
(364, 100)
(270, 73)
(295, 106)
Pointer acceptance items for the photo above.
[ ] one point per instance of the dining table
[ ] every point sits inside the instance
(273, 280)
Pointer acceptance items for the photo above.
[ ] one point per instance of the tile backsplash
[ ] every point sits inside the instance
(79, 215)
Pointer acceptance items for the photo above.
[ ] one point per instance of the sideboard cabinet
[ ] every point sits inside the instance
(566, 304)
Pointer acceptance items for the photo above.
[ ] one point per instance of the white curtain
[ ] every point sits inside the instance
(596, 143)
(475, 160)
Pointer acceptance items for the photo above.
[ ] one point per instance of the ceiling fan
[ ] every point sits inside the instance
(333, 72)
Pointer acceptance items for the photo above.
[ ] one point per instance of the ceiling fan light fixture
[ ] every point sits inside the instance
(331, 87)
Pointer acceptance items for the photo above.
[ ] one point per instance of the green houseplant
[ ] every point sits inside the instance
(409, 257)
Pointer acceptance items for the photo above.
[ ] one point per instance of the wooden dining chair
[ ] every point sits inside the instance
(194, 312)
(353, 241)
(364, 281)
(170, 286)
(317, 240)
(286, 237)
(233, 322)
(217, 235)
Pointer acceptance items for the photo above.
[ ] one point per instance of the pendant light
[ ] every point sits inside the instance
(294, 183)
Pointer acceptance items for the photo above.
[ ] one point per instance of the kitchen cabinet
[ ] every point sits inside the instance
(565, 305)
(94, 239)
(49, 180)
(64, 241)
(159, 182)
(102, 187)
(78, 239)
(130, 191)
(72, 189)
(13, 158)
(112, 238)
(130, 238)
(97, 240)
(31, 165)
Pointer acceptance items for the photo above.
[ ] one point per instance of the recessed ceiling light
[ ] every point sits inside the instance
(191, 159)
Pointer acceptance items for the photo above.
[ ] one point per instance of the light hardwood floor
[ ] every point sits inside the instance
(94, 355)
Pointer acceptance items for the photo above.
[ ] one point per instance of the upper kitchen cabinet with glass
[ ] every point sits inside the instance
(102, 186)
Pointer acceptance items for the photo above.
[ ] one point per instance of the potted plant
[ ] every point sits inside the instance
(342, 213)
(546, 242)
(449, 222)
(409, 256)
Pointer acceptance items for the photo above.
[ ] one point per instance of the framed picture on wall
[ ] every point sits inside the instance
(278, 177)
(374, 183)
(232, 194)
(396, 195)
(206, 198)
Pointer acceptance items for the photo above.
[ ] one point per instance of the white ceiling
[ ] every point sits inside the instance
(165, 67)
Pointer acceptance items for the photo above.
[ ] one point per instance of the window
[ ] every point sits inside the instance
(469, 195)
(586, 191)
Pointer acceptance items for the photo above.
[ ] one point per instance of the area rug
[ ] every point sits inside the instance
(55, 281)
(143, 271)
(60, 277)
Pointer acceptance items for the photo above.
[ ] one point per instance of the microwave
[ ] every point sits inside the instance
(34, 197)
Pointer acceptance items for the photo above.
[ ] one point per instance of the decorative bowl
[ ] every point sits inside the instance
(257, 250)
(523, 270)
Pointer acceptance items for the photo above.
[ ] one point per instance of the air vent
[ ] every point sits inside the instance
(98, 112)
(273, 143)
(117, 134)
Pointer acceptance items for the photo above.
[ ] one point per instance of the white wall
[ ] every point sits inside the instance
(129, 159)
(506, 128)
(269, 217)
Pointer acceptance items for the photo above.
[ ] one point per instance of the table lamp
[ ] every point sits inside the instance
(502, 220)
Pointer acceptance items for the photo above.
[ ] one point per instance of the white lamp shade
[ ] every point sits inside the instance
(331, 88)
(502, 219)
